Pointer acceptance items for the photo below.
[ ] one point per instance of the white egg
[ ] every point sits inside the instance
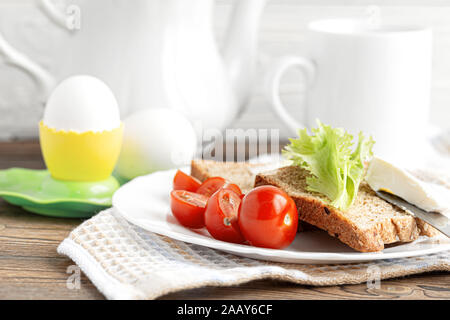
(155, 139)
(82, 103)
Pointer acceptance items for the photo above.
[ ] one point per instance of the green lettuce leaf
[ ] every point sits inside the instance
(336, 170)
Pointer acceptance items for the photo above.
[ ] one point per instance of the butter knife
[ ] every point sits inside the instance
(435, 219)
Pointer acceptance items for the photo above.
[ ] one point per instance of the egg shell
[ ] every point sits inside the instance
(155, 139)
(87, 156)
(82, 103)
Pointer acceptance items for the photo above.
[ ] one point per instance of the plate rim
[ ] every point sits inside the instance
(265, 252)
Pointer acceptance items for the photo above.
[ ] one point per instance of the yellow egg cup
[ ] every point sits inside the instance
(87, 156)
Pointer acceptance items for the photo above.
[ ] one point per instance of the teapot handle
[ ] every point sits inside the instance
(42, 77)
(69, 20)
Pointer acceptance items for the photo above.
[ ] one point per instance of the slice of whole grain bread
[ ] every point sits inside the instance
(367, 226)
(240, 173)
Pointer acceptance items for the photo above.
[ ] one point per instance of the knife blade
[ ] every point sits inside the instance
(435, 219)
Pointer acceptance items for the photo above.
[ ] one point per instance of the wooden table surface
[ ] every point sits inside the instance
(30, 268)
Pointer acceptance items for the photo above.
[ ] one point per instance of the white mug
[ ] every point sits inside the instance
(376, 80)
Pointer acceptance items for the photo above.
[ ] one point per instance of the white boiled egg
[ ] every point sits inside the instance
(82, 103)
(155, 139)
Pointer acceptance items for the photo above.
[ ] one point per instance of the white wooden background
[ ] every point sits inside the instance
(282, 32)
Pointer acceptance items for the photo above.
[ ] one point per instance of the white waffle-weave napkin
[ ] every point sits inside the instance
(126, 262)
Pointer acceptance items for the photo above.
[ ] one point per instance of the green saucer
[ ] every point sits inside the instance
(36, 191)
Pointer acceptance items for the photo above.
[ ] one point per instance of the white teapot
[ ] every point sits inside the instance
(155, 53)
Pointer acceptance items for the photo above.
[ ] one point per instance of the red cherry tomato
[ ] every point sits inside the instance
(211, 185)
(221, 216)
(188, 208)
(233, 187)
(268, 218)
(182, 181)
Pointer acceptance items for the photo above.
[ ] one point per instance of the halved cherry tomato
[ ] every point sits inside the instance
(211, 185)
(188, 208)
(268, 218)
(221, 216)
(233, 187)
(183, 181)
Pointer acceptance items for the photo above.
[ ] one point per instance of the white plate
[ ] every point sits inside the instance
(145, 203)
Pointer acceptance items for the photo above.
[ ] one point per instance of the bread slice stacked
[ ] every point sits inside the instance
(367, 226)
(240, 173)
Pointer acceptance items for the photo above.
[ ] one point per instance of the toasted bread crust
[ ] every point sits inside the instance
(198, 171)
(426, 229)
